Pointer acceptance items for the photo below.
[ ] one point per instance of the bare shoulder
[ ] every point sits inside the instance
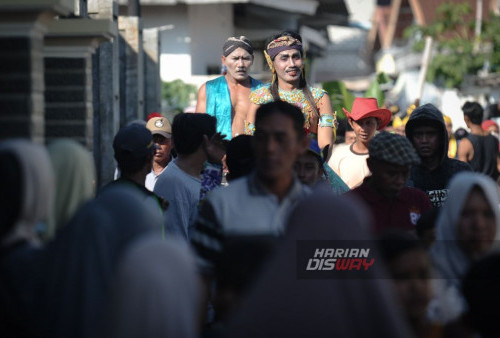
(465, 150)
(464, 144)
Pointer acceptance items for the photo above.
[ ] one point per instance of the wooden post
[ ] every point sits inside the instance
(425, 65)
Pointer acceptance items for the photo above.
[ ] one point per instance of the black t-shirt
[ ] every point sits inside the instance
(435, 182)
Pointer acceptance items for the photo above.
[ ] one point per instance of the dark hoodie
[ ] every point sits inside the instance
(433, 182)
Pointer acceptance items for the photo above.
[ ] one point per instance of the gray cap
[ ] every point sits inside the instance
(393, 148)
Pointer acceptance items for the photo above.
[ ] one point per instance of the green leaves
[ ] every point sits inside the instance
(458, 52)
(178, 94)
(341, 97)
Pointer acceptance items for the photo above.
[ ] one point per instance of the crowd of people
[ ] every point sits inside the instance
(201, 233)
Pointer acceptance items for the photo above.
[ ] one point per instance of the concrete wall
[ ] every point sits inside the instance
(175, 59)
(191, 38)
(210, 26)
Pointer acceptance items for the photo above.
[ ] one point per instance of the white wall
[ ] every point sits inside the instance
(210, 26)
(175, 59)
(192, 37)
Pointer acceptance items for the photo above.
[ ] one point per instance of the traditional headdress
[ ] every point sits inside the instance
(233, 43)
(280, 44)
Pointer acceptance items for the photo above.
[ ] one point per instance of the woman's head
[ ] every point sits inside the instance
(471, 215)
(477, 225)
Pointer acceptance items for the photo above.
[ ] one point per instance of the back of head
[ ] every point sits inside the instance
(282, 108)
(427, 223)
(133, 146)
(158, 277)
(298, 306)
(240, 157)
(36, 187)
(84, 256)
(473, 111)
(460, 133)
(188, 130)
(395, 243)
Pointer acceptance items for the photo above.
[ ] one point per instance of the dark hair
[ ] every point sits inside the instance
(480, 290)
(283, 108)
(427, 222)
(133, 147)
(460, 133)
(394, 243)
(473, 111)
(11, 192)
(302, 82)
(240, 158)
(129, 165)
(245, 255)
(188, 130)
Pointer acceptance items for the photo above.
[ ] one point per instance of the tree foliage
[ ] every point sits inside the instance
(458, 52)
(178, 94)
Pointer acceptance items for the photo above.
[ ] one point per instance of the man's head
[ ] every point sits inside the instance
(391, 156)
(162, 133)
(134, 148)
(240, 158)
(188, 130)
(350, 136)
(427, 132)
(473, 113)
(278, 140)
(285, 56)
(309, 166)
(237, 57)
(366, 117)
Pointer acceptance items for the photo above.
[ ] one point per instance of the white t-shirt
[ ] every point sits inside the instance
(350, 166)
(151, 179)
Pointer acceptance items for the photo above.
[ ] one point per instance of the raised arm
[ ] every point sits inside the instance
(201, 104)
(325, 126)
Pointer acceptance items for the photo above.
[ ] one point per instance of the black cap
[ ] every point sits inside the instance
(133, 142)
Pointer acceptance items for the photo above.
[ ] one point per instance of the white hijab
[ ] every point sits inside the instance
(75, 179)
(37, 187)
(450, 260)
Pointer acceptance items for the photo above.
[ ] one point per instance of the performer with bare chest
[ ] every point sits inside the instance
(227, 97)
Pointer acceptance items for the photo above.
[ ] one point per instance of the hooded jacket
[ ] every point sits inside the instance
(433, 182)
